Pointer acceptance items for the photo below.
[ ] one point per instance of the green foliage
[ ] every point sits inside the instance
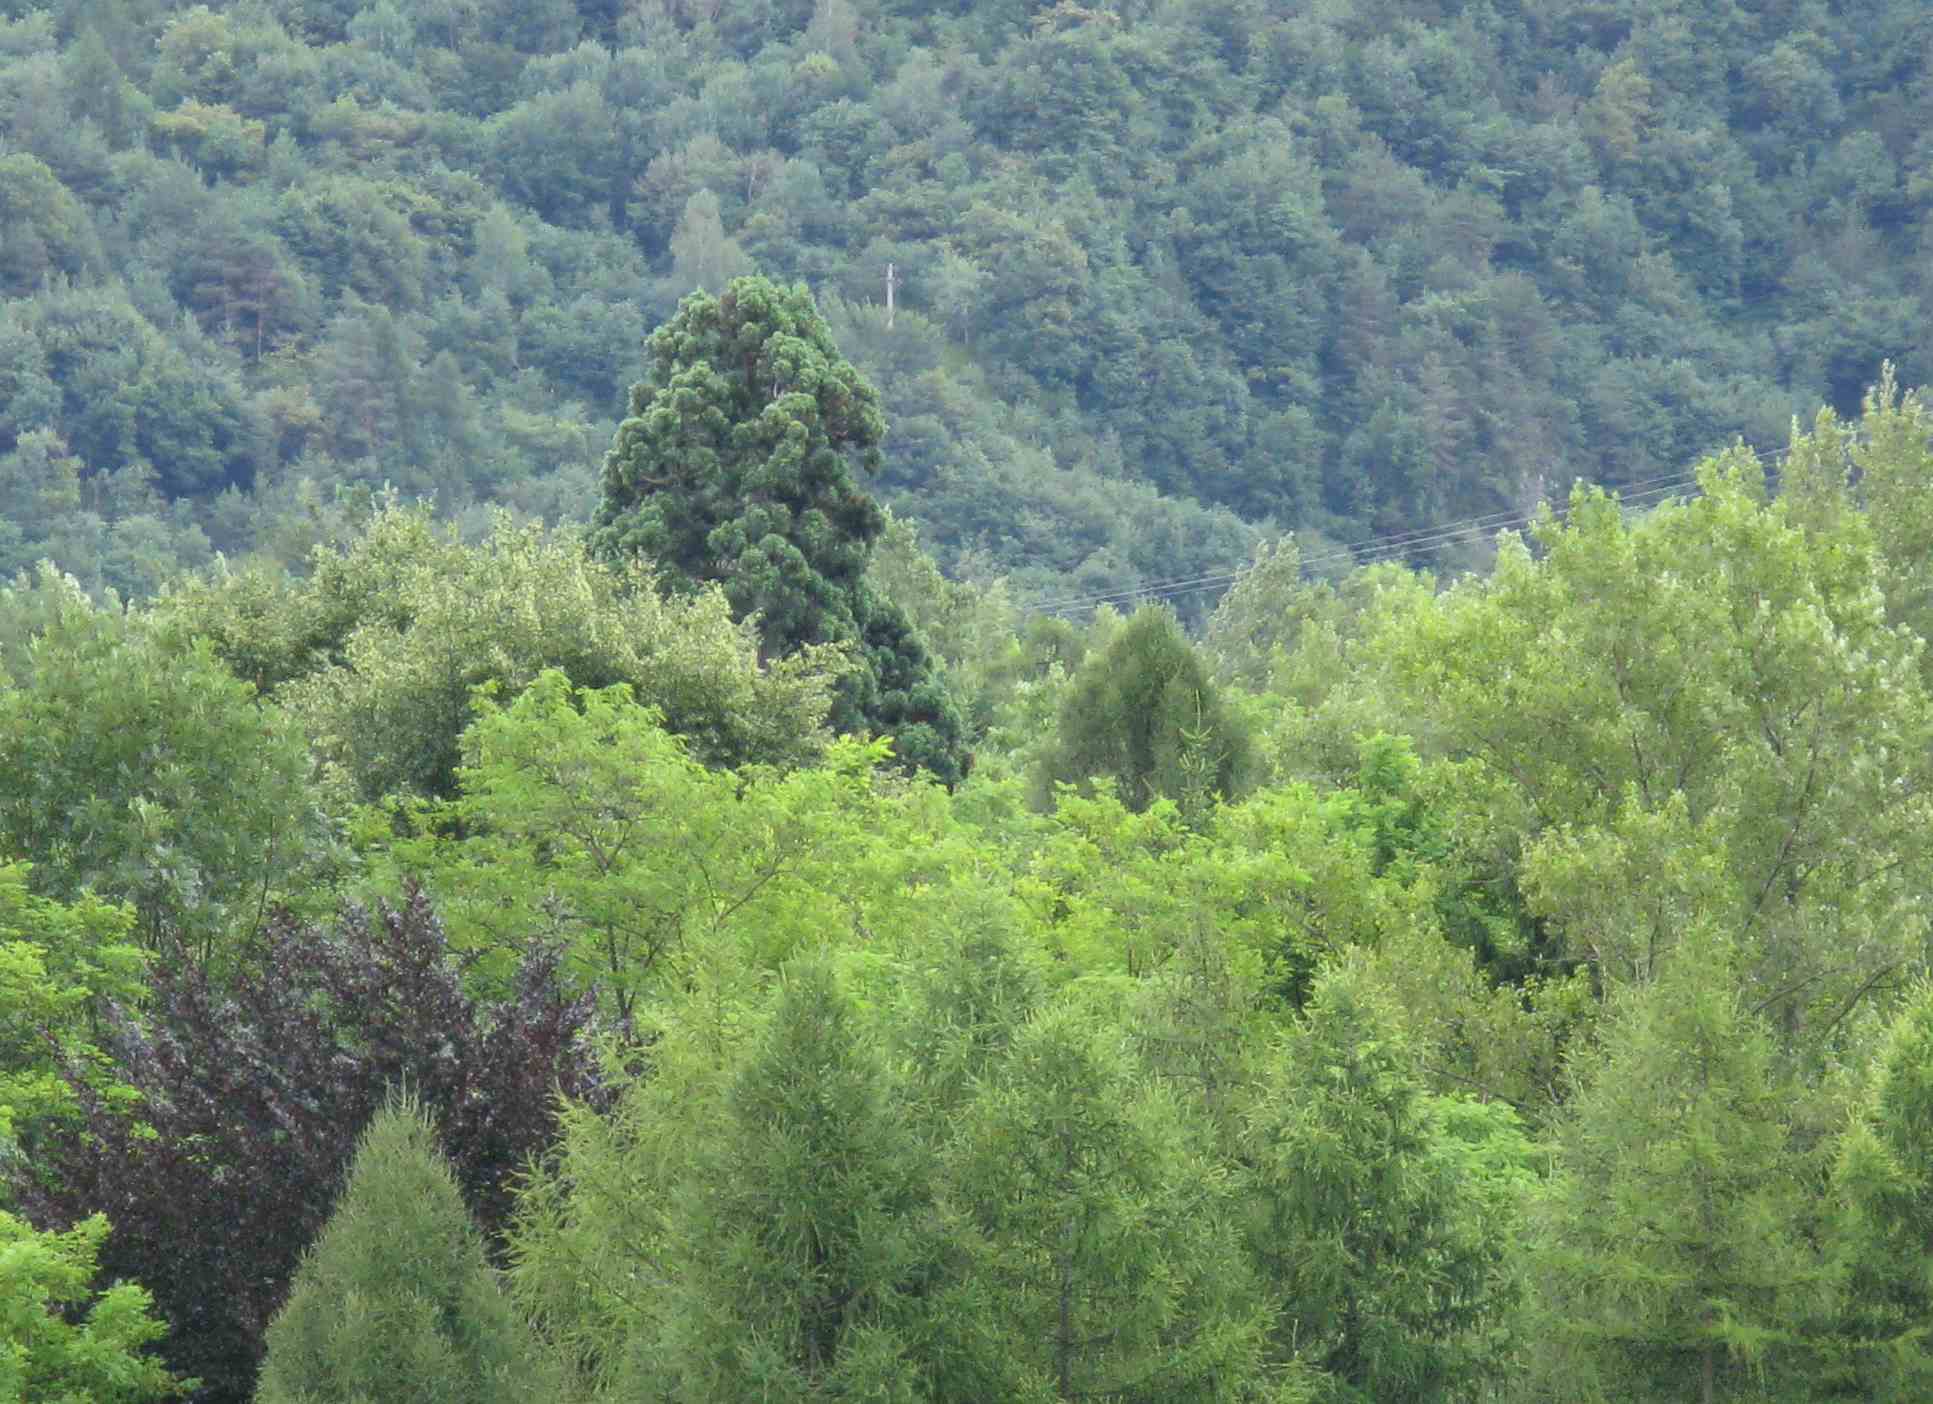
(1385, 1250)
(1352, 270)
(1875, 468)
(735, 464)
(380, 650)
(223, 1154)
(1699, 715)
(134, 764)
(60, 965)
(584, 821)
(46, 1357)
(803, 1232)
(1145, 714)
(396, 1298)
(735, 467)
(969, 628)
(1149, 265)
(1099, 1237)
(1674, 1250)
(1886, 1203)
(48, 232)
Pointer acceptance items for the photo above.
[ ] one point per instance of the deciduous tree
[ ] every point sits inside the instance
(47, 1357)
(132, 763)
(251, 1097)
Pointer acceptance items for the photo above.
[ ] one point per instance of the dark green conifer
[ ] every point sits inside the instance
(1145, 713)
(735, 468)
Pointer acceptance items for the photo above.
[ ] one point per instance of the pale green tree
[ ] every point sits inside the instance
(60, 964)
(1097, 1232)
(396, 1299)
(379, 650)
(703, 255)
(584, 821)
(1884, 1191)
(48, 1357)
(1144, 713)
(1673, 1253)
(1880, 468)
(752, 1219)
(1700, 713)
(135, 765)
(802, 1251)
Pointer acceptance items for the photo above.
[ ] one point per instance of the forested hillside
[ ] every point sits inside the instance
(551, 846)
(1161, 270)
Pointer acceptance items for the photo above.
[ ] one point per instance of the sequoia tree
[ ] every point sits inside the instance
(735, 468)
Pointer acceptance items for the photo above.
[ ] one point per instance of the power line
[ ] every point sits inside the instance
(1366, 553)
(1645, 492)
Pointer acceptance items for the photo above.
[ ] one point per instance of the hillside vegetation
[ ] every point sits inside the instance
(544, 861)
(1161, 269)
(1511, 992)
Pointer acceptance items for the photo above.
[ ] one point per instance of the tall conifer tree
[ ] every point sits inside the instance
(1884, 1180)
(1386, 1263)
(1146, 713)
(1673, 1250)
(735, 468)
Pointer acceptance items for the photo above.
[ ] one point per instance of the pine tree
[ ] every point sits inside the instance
(1884, 1183)
(1386, 1256)
(1104, 1262)
(396, 1299)
(801, 1233)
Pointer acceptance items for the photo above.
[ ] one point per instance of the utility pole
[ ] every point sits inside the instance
(892, 282)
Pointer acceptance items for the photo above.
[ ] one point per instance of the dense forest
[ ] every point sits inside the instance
(490, 969)
(575, 823)
(1164, 274)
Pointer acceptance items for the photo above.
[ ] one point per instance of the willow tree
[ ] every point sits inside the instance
(736, 468)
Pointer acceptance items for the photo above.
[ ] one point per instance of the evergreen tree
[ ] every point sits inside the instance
(1674, 1249)
(1103, 1259)
(735, 467)
(801, 1235)
(1884, 1180)
(1386, 1255)
(396, 1299)
(1145, 713)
